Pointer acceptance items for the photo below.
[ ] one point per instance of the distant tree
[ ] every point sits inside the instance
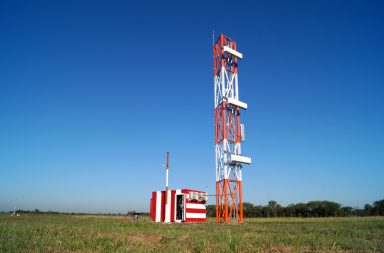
(302, 210)
(331, 208)
(266, 211)
(36, 210)
(359, 211)
(273, 206)
(279, 211)
(368, 209)
(323, 208)
(248, 210)
(290, 210)
(314, 208)
(258, 211)
(272, 203)
(346, 210)
(211, 210)
(378, 207)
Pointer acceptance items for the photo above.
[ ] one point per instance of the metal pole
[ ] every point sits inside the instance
(166, 179)
(166, 204)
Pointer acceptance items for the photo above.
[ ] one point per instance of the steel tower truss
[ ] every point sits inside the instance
(229, 133)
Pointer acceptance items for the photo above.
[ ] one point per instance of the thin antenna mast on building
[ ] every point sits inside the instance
(166, 178)
(167, 218)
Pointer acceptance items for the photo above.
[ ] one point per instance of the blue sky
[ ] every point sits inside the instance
(92, 95)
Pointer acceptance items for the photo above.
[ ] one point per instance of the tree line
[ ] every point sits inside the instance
(311, 209)
(37, 211)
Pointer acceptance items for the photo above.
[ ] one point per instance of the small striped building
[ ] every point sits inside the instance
(181, 206)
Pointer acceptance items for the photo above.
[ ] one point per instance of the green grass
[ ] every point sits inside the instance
(88, 233)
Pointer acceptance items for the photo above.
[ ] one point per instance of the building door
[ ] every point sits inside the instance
(180, 207)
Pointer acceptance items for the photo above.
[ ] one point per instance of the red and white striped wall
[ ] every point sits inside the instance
(180, 206)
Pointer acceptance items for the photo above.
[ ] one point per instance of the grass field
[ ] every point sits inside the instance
(87, 233)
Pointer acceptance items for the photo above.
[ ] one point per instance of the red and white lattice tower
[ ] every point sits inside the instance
(229, 133)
